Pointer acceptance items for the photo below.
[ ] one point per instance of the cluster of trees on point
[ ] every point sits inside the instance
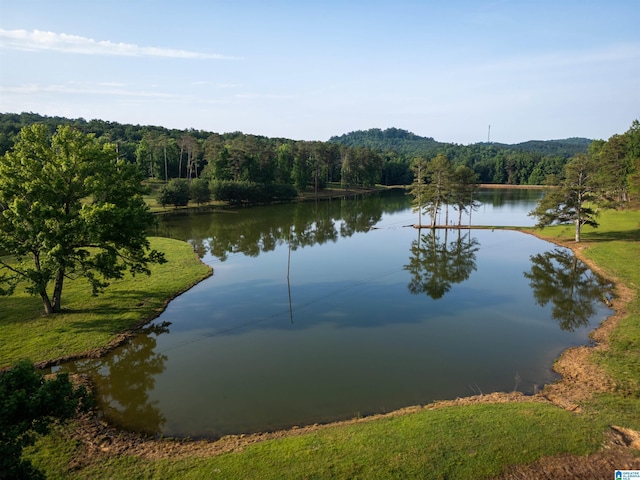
(607, 176)
(361, 158)
(437, 184)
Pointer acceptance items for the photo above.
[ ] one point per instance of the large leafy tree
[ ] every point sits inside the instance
(574, 200)
(69, 208)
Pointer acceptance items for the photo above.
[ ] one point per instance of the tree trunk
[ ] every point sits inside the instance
(434, 214)
(180, 162)
(48, 308)
(46, 302)
(166, 170)
(57, 291)
(577, 222)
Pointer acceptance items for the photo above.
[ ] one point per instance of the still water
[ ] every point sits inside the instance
(331, 310)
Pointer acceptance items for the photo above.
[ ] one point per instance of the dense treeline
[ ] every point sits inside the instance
(527, 163)
(246, 161)
(362, 158)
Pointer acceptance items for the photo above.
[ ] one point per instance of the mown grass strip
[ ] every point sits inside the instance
(474, 441)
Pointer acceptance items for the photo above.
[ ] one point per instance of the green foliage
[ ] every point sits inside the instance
(464, 187)
(391, 139)
(574, 199)
(175, 193)
(70, 208)
(440, 176)
(419, 169)
(237, 193)
(199, 191)
(300, 173)
(436, 184)
(373, 156)
(29, 404)
(89, 322)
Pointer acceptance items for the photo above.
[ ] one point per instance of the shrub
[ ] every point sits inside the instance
(176, 193)
(29, 404)
(199, 191)
(252, 193)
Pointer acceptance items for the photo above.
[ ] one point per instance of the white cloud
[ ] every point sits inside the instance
(217, 85)
(102, 89)
(62, 42)
(265, 96)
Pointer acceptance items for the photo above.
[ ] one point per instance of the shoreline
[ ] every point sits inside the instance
(123, 336)
(325, 194)
(579, 380)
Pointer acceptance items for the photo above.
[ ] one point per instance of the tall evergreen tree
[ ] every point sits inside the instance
(419, 169)
(464, 186)
(438, 189)
(574, 200)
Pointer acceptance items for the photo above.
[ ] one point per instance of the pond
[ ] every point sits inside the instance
(330, 310)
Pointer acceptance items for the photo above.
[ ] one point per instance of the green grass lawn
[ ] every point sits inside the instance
(472, 441)
(92, 322)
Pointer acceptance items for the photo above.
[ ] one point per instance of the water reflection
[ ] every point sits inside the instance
(436, 264)
(324, 311)
(262, 229)
(124, 379)
(499, 197)
(559, 278)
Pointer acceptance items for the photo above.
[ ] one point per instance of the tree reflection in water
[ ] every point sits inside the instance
(255, 230)
(124, 378)
(559, 278)
(436, 264)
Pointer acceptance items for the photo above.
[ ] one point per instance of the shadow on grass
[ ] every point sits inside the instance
(607, 236)
(113, 314)
(20, 309)
(122, 310)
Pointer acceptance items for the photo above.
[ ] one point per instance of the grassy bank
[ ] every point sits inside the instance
(88, 322)
(468, 441)
(454, 442)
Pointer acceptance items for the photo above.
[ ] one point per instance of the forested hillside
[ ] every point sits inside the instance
(362, 158)
(410, 144)
(527, 163)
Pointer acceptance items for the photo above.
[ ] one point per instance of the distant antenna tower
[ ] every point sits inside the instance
(489, 135)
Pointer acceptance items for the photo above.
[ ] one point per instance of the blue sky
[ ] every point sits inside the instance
(309, 70)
